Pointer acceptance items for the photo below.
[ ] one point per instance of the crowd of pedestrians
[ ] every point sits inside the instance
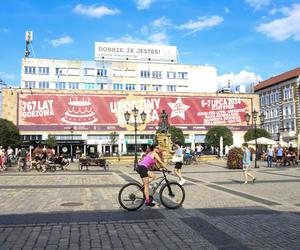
(39, 159)
(281, 156)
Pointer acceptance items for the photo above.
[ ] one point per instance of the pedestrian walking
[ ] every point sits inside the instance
(247, 163)
(279, 155)
(270, 154)
(178, 163)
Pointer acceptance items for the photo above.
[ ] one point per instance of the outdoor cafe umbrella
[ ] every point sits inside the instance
(262, 141)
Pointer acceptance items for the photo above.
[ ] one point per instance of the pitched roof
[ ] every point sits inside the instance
(277, 79)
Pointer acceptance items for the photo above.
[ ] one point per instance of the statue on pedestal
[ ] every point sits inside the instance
(163, 125)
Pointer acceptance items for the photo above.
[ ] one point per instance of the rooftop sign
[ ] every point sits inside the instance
(135, 52)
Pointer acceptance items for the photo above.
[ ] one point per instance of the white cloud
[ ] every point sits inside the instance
(143, 4)
(94, 10)
(201, 23)
(244, 77)
(127, 39)
(8, 76)
(61, 41)
(159, 38)
(258, 4)
(152, 33)
(285, 27)
(162, 22)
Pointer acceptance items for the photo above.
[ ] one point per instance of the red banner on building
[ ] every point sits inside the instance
(96, 112)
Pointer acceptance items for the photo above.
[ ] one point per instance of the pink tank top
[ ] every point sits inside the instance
(148, 161)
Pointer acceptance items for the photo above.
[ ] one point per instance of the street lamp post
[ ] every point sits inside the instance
(71, 151)
(254, 125)
(143, 115)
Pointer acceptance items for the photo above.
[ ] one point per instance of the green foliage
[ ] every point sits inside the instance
(250, 134)
(235, 158)
(51, 141)
(213, 135)
(176, 135)
(113, 137)
(9, 134)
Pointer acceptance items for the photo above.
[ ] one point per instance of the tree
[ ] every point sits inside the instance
(9, 134)
(176, 135)
(250, 134)
(213, 135)
(51, 141)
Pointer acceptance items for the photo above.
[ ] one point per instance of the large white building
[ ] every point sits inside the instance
(82, 103)
(120, 66)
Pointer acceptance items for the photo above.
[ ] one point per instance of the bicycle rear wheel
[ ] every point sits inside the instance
(172, 197)
(131, 196)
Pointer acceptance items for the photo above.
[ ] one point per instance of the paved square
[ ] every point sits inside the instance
(79, 210)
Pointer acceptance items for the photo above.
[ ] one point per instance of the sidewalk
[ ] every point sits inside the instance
(79, 210)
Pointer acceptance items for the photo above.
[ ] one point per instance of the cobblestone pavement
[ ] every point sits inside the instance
(79, 210)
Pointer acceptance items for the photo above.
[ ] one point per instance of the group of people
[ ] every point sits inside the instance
(283, 156)
(153, 157)
(25, 160)
(6, 157)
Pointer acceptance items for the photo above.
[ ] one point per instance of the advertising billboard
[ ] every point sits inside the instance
(135, 52)
(106, 111)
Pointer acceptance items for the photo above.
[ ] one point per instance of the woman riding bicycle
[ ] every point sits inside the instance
(143, 169)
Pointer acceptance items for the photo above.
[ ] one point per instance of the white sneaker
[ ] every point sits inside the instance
(182, 181)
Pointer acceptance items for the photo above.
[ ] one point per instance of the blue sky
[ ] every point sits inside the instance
(246, 40)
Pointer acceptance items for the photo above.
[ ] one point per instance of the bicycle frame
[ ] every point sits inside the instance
(160, 180)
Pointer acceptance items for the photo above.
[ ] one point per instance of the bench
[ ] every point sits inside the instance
(86, 162)
(57, 163)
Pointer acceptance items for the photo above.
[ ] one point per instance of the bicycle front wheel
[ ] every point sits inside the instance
(172, 196)
(131, 196)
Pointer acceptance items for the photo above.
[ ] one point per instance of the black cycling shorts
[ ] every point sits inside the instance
(178, 165)
(142, 171)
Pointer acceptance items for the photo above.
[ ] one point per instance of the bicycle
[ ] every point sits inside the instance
(171, 194)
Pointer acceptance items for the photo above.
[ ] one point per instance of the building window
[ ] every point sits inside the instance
(44, 70)
(60, 71)
(29, 85)
(143, 87)
(171, 88)
(44, 85)
(182, 75)
(73, 85)
(287, 93)
(156, 74)
(117, 86)
(277, 97)
(31, 137)
(156, 87)
(89, 86)
(29, 70)
(286, 111)
(60, 85)
(89, 72)
(272, 97)
(129, 86)
(100, 86)
(171, 75)
(267, 99)
(262, 100)
(145, 74)
(102, 72)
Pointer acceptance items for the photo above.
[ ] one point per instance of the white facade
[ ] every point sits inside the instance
(148, 68)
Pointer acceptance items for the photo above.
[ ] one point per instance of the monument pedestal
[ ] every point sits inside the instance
(165, 143)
